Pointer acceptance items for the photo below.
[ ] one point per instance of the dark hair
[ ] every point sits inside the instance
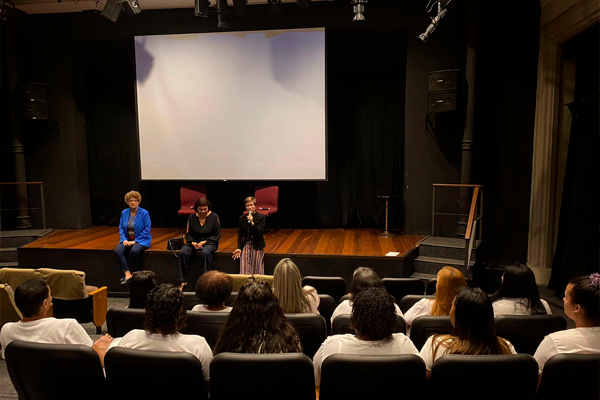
(214, 287)
(30, 295)
(587, 296)
(364, 278)
(201, 202)
(373, 314)
(142, 282)
(474, 330)
(519, 283)
(257, 324)
(165, 310)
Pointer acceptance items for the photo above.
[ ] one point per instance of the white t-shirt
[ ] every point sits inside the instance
(429, 358)
(45, 330)
(513, 306)
(398, 343)
(194, 344)
(419, 309)
(313, 299)
(345, 308)
(572, 341)
(202, 308)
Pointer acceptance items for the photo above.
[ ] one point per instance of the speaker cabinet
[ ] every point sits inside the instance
(443, 89)
(35, 110)
(441, 102)
(35, 99)
(443, 80)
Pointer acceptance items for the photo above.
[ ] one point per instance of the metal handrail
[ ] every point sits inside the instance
(43, 208)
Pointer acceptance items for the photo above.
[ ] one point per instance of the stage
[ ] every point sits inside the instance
(326, 252)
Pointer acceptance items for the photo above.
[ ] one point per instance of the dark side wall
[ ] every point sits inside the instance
(79, 53)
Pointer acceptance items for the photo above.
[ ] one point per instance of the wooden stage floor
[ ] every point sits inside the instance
(334, 242)
(326, 252)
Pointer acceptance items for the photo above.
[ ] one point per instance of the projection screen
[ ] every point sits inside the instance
(232, 105)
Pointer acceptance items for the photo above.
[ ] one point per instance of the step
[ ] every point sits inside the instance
(8, 254)
(21, 237)
(9, 264)
(431, 265)
(441, 247)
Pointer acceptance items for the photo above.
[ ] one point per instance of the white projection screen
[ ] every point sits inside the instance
(232, 105)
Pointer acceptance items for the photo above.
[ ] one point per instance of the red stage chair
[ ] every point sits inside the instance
(188, 195)
(267, 199)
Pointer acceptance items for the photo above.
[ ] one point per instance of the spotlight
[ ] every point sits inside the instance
(111, 10)
(275, 6)
(222, 14)
(201, 8)
(435, 21)
(359, 10)
(303, 3)
(132, 6)
(239, 7)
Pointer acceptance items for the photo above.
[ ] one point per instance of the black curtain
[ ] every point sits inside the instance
(365, 106)
(577, 248)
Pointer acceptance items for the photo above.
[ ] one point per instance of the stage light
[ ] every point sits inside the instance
(201, 8)
(111, 10)
(239, 7)
(359, 10)
(275, 6)
(131, 6)
(303, 3)
(435, 21)
(222, 14)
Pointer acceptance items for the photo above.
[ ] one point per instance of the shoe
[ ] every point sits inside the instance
(122, 279)
(125, 281)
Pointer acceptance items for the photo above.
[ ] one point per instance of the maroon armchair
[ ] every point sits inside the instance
(188, 195)
(267, 199)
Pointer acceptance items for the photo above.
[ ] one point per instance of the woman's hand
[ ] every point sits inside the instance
(127, 243)
(236, 254)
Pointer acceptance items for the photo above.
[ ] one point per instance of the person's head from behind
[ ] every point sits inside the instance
(33, 298)
(214, 287)
(364, 278)
(287, 286)
(582, 300)
(256, 323)
(373, 314)
(142, 282)
(165, 310)
(518, 281)
(472, 316)
(449, 280)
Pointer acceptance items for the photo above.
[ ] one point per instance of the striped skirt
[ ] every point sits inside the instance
(252, 261)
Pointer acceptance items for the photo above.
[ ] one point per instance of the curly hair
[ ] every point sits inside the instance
(214, 287)
(257, 324)
(449, 280)
(587, 296)
(362, 279)
(142, 282)
(519, 282)
(133, 195)
(474, 330)
(165, 310)
(30, 296)
(373, 314)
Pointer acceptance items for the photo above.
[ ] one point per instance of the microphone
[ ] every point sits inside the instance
(249, 215)
(434, 23)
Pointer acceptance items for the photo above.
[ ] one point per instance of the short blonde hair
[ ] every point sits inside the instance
(249, 199)
(133, 194)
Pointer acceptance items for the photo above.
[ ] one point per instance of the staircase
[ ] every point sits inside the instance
(11, 240)
(438, 252)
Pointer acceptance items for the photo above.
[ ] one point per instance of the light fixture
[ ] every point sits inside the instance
(359, 10)
(435, 21)
(222, 14)
(201, 8)
(111, 10)
(131, 6)
(275, 6)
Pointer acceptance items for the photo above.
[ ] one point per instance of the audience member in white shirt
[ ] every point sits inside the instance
(374, 320)
(449, 280)
(212, 289)
(165, 317)
(34, 298)
(363, 278)
(474, 332)
(518, 294)
(582, 305)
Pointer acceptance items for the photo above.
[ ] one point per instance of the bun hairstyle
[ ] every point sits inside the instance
(585, 292)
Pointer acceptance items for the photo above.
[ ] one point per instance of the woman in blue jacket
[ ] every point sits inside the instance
(135, 234)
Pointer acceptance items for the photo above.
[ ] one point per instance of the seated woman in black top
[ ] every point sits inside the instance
(203, 233)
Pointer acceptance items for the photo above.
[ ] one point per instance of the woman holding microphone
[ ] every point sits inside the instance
(251, 242)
